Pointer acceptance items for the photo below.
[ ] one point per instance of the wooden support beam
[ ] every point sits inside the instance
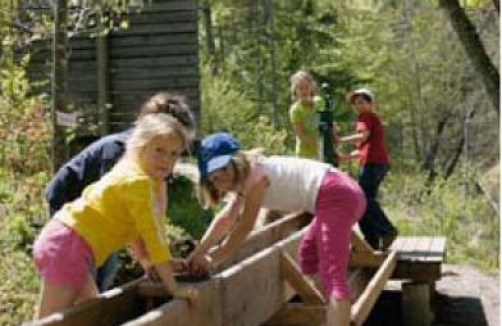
(359, 244)
(364, 304)
(266, 237)
(371, 259)
(299, 314)
(297, 280)
(357, 280)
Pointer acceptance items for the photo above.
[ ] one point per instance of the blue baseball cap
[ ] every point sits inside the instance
(215, 152)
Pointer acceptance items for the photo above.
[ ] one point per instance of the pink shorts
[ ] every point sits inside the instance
(62, 257)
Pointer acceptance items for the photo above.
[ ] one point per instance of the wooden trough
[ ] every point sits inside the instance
(260, 285)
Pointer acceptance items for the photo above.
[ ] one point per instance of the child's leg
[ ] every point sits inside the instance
(338, 312)
(307, 250)
(89, 291)
(54, 298)
(63, 259)
(339, 206)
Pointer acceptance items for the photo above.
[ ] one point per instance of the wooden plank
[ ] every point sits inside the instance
(364, 304)
(160, 29)
(266, 237)
(162, 17)
(358, 243)
(259, 279)
(437, 250)
(178, 312)
(153, 51)
(420, 249)
(113, 307)
(120, 41)
(251, 292)
(297, 280)
(171, 5)
(298, 314)
(141, 73)
(160, 83)
(160, 63)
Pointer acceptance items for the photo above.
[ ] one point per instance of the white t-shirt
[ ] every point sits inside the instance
(294, 182)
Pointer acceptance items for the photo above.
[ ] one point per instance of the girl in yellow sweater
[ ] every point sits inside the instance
(125, 207)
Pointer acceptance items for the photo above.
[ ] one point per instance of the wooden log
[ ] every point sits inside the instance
(294, 277)
(364, 304)
(415, 304)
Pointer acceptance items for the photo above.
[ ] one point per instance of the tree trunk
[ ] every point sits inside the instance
(496, 3)
(475, 50)
(429, 163)
(451, 165)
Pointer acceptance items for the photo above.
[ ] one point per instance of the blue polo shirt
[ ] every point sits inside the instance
(85, 168)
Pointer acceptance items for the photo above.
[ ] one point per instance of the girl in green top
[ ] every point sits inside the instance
(303, 114)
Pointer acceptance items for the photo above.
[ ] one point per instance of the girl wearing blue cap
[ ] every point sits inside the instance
(251, 181)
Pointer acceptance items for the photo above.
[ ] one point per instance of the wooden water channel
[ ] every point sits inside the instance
(262, 285)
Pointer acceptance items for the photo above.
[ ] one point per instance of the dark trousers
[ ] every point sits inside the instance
(374, 224)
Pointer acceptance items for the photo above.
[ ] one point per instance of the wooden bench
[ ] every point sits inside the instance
(419, 261)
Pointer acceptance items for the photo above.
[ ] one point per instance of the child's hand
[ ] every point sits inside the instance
(189, 293)
(152, 273)
(199, 264)
(179, 265)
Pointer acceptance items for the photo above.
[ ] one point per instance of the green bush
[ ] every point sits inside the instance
(227, 109)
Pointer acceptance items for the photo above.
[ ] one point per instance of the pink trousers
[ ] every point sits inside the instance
(325, 247)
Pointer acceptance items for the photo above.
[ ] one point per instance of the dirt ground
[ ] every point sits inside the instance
(465, 297)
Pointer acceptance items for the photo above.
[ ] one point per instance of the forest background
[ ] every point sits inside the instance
(441, 116)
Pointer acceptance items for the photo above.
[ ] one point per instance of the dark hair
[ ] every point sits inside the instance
(172, 104)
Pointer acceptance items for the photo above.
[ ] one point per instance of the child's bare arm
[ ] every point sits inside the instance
(220, 226)
(242, 229)
(165, 273)
(355, 138)
(139, 252)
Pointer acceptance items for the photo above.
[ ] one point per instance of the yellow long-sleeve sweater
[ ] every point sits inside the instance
(117, 210)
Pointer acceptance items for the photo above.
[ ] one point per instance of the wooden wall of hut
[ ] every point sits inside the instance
(109, 77)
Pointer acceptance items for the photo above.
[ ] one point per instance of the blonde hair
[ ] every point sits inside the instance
(241, 163)
(301, 76)
(152, 126)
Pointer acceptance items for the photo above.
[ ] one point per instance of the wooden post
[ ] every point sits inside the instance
(292, 274)
(415, 304)
(367, 299)
(103, 79)
(59, 103)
